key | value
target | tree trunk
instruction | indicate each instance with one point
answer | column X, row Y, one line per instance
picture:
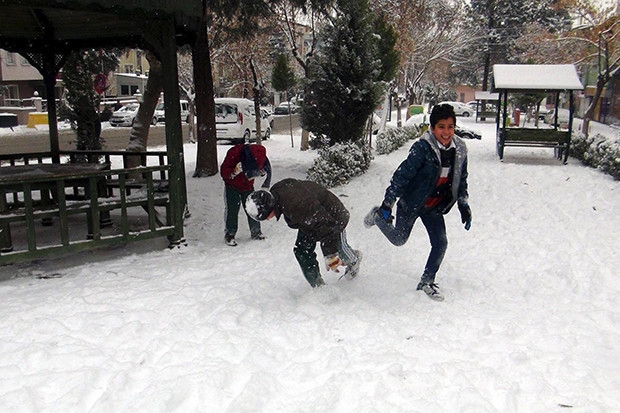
column 600, row 84
column 206, row 156
column 305, row 138
column 256, row 93
column 139, row 136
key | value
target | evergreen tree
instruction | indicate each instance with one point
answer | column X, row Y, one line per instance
column 343, row 77
column 282, row 78
column 82, row 101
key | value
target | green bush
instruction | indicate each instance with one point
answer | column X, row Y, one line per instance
column 392, row 139
column 337, row 164
column 597, row 151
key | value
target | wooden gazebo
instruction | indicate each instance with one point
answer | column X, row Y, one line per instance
column 549, row 79
column 45, row 32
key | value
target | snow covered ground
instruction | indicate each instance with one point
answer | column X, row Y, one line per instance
column 531, row 320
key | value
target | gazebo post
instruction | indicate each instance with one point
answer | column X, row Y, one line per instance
column 174, row 132
column 49, row 78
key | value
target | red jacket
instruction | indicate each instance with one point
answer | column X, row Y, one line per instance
column 240, row 182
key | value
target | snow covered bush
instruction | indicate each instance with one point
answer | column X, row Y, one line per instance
column 597, row 151
column 392, row 139
column 337, row 164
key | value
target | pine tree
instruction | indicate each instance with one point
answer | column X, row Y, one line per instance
column 282, row 78
column 343, row 77
column 82, row 101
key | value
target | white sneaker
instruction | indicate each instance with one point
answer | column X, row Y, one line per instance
column 353, row 269
column 369, row 219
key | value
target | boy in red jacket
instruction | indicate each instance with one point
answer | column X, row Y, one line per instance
column 243, row 163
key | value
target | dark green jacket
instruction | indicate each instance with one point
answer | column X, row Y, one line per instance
column 311, row 209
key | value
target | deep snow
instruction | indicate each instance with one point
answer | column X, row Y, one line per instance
column 531, row 320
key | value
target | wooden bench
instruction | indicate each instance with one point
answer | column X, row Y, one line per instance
column 539, row 138
column 25, row 205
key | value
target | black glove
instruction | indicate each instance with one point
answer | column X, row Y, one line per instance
column 465, row 215
column 386, row 212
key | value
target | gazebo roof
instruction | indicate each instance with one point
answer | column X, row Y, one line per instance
column 536, row 77
column 74, row 24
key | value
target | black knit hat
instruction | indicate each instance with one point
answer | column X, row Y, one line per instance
column 260, row 204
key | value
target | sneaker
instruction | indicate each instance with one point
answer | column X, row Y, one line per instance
column 230, row 240
column 258, row 236
column 431, row 289
column 353, row 269
column 369, row 219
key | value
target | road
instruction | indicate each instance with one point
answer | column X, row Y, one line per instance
column 114, row 138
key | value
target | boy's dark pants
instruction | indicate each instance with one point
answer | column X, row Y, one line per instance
column 234, row 199
column 306, row 257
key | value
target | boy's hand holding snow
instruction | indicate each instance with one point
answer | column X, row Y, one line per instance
column 332, row 262
column 238, row 170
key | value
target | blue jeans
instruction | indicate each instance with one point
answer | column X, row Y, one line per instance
column 398, row 234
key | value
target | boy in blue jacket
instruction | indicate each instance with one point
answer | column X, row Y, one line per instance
column 427, row 184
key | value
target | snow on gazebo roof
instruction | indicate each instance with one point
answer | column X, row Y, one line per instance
column 484, row 95
column 536, row 77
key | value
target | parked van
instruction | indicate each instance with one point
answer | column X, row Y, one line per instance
column 160, row 113
column 235, row 119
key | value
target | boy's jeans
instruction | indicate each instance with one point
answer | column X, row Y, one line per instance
column 435, row 225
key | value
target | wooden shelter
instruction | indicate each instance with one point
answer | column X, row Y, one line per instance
column 45, row 32
column 535, row 79
column 484, row 102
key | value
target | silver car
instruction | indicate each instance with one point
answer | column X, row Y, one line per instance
column 460, row 109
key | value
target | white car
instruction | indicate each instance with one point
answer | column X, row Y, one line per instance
column 160, row 113
column 125, row 116
column 563, row 116
column 235, row 119
column 460, row 109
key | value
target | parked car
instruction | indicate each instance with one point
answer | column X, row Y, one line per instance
column 466, row 133
column 267, row 114
column 284, row 108
column 160, row 113
column 460, row 109
column 472, row 104
column 563, row 116
column 235, row 119
column 125, row 116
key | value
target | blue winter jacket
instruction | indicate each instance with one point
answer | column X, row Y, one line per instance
column 416, row 177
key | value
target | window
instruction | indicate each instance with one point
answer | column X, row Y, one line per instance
column 125, row 90
column 10, row 58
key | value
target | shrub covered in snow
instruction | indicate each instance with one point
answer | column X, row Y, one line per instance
column 597, row 151
column 336, row 165
column 392, row 139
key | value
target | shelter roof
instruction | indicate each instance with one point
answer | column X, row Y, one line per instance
column 483, row 95
column 71, row 24
column 536, row 77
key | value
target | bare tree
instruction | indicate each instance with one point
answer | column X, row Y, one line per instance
column 139, row 135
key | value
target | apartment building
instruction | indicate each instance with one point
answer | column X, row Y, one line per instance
column 19, row 80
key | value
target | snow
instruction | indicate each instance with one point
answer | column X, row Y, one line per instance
column 544, row 77
column 530, row 323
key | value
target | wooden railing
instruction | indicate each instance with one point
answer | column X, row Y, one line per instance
column 49, row 214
